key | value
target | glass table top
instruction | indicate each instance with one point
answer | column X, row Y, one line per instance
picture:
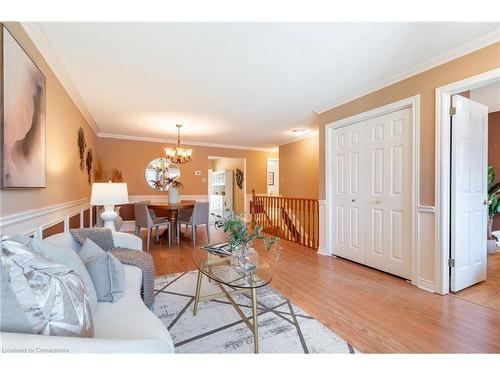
column 219, row 269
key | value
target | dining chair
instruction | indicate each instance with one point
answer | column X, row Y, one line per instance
column 198, row 216
column 184, row 214
column 144, row 219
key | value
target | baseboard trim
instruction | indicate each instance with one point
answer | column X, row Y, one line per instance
column 322, row 251
column 426, row 285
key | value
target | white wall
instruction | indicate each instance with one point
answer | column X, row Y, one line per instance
column 273, row 166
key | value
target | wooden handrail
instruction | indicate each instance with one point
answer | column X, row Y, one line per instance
column 290, row 218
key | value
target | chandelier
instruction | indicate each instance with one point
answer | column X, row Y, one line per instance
column 178, row 155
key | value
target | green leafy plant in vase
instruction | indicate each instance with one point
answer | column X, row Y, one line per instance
column 493, row 206
column 240, row 239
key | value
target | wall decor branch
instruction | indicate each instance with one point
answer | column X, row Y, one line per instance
column 88, row 162
column 82, row 144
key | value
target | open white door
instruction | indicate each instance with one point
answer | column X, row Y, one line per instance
column 469, row 127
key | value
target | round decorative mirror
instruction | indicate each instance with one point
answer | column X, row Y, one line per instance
column 160, row 173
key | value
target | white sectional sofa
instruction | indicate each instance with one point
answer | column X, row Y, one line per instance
column 126, row 326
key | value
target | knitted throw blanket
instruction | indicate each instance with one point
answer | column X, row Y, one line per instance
column 144, row 261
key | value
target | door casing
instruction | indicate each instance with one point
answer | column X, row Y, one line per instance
column 443, row 168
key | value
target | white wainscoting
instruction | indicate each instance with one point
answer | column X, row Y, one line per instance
column 426, row 247
column 34, row 221
column 164, row 198
column 322, row 228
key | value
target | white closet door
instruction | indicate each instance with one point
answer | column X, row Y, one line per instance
column 468, row 192
column 388, row 179
column 348, row 172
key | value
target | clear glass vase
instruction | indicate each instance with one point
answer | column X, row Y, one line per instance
column 245, row 257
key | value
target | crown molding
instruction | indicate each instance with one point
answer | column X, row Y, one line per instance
column 310, row 134
column 174, row 141
column 463, row 50
column 43, row 45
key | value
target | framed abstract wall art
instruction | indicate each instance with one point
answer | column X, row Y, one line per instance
column 22, row 117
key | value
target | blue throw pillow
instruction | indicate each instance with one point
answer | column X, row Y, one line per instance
column 69, row 258
column 107, row 272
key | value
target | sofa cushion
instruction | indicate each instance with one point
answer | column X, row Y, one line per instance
column 106, row 272
column 129, row 318
column 51, row 296
column 103, row 237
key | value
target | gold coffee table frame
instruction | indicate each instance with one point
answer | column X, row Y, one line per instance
column 206, row 267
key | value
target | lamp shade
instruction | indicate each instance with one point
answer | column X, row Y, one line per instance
column 108, row 194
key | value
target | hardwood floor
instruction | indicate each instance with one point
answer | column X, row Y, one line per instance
column 486, row 293
column 374, row 311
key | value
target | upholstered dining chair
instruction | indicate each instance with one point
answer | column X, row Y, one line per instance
column 197, row 216
column 144, row 219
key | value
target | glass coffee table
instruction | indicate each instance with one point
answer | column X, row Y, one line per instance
column 231, row 280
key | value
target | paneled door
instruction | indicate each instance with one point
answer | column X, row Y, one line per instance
column 388, row 196
column 468, row 193
column 349, row 192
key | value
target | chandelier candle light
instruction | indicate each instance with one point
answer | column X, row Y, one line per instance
column 178, row 155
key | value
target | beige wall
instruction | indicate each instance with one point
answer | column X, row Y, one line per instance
column 65, row 181
column 131, row 157
column 494, row 152
column 494, row 142
column 299, row 168
column 231, row 164
column 424, row 84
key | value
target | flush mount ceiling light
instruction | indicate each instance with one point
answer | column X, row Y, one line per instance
column 178, row 155
column 299, row 132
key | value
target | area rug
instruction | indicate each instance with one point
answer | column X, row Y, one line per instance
column 217, row 328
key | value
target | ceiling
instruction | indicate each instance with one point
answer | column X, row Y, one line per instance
column 488, row 95
column 244, row 84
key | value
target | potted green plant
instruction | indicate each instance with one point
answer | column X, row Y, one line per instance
column 493, row 207
column 240, row 239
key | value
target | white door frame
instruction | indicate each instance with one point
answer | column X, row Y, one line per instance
column 443, row 168
column 412, row 102
column 245, row 202
column 267, row 172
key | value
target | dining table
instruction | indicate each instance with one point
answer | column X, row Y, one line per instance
column 171, row 211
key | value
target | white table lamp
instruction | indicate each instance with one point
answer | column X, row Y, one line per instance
column 108, row 194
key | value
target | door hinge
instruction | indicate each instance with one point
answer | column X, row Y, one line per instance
column 453, row 111
column 451, row 262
